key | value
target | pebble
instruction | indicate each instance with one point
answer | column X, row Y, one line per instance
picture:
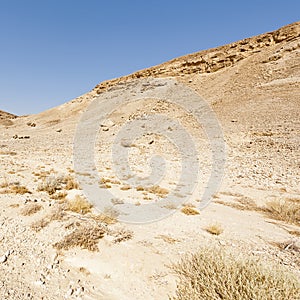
column 3, row 259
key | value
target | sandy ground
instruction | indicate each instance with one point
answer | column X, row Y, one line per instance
column 257, row 103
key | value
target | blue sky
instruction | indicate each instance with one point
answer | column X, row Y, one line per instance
column 53, row 51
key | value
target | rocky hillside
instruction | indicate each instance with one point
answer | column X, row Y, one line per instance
column 213, row 60
column 6, row 118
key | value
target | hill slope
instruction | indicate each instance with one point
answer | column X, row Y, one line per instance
column 253, row 87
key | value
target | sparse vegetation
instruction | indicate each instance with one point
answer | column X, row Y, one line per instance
column 19, row 189
column 70, row 183
column 59, row 195
column 168, row 239
column 79, row 205
column 53, row 184
column 109, row 220
column 57, row 214
column 157, row 190
column 50, row 185
column 215, row 229
column 40, row 224
column 13, row 188
column 125, row 188
column 285, row 210
column 188, row 210
column 85, row 237
column 30, row 209
column 212, row 273
column 122, row 235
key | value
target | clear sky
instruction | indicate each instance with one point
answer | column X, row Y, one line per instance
column 55, row 50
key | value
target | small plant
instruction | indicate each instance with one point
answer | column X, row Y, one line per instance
column 188, row 210
column 59, row 196
column 157, row 190
column 212, row 273
column 57, row 214
column 39, row 224
column 215, row 229
column 122, row 235
column 70, row 183
column 105, row 219
column 19, row 189
column 31, row 209
column 53, row 184
column 85, row 237
column 50, row 185
column 286, row 210
column 79, row 205
column 125, row 188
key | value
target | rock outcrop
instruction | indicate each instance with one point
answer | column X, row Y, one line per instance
column 213, row 60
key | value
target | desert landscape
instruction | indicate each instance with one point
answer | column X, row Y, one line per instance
column 245, row 244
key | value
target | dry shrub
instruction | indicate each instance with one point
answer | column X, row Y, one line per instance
column 57, row 214
column 39, row 224
column 188, row 210
column 15, row 188
column 286, row 210
column 117, row 201
column 140, row 188
column 111, row 212
column 215, row 229
column 168, row 239
column 70, row 183
column 59, row 196
column 79, row 205
column 86, row 237
column 52, row 184
column 105, row 219
column 157, row 190
column 241, row 203
column 121, row 235
column 125, row 188
column 31, row 209
column 10, row 153
column 214, row 274
column 294, row 232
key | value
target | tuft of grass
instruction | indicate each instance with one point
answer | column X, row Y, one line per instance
column 122, row 235
column 19, row 189
column 53, row 184
column 140, row 188
column 31, row 209
column 215, row 229
column 188, row 210
column 286, row 210
column 109, row 220
column 70, row 183
column 212, row 273
column 157, row 190
column 125, row 188
column 79, row 205
column 50, row 185
column 39, row 224
column 57, row 214
column 85, row 237
column 59, row 196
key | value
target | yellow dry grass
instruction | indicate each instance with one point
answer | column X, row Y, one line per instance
column 212, row 273
column 79, row 205
column 31, row 209
column 215, row 229
column 190, row 211
column 85, row 237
